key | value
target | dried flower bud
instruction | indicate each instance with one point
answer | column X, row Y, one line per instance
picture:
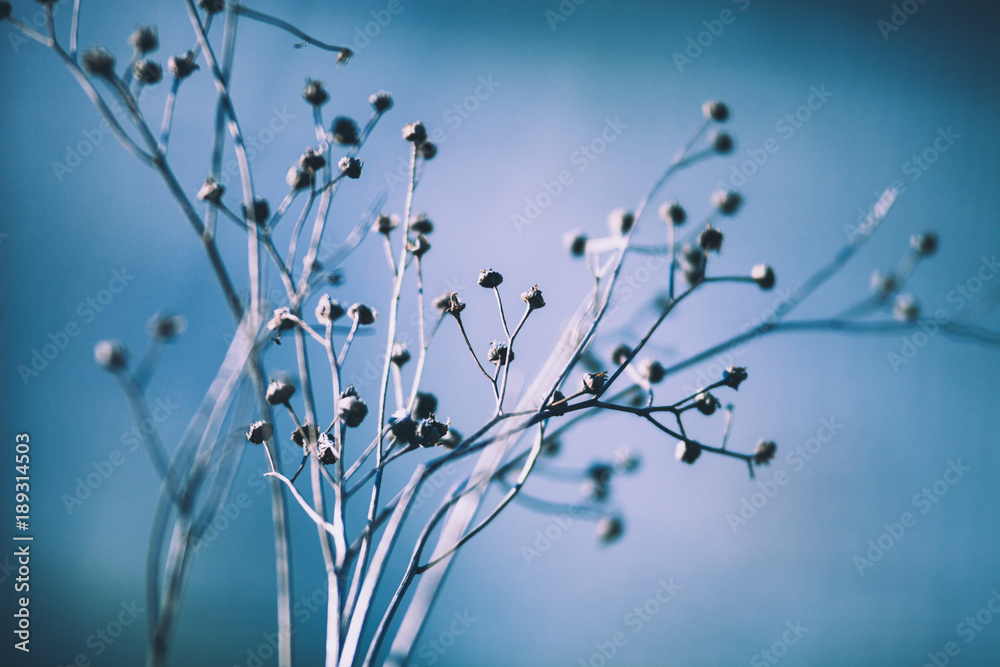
column 722, row 143
column 489, row 278
column 425, row 405
column 652, row 370
column 672, row 212
column 345, row 131
column 620, row 354
column 763, row 275
column 558, row 403
column 212, row 6
column 733, row 376
column 303, row 436
column 344, row 55
column 610, row 528
column 299, row 178
column 710, row 239
column 403, row 428
column 278, row 392
column 706, row 403
column 727, row 201
column 688, row 452
column 380, row 101
column 99, row 62
column 576, row 242
column 906, row 308
column 626, row 460
column 147, row 72
column 281, row 320
column 362, row 314
column 418, row 246
column 182, row 66
column 326, row 450
column 111, row 354
column 260, row 213
column 327, row 310
column 314, row 93
column 593, row 383
column 715, row 110
column 621, row 221
column 430, row 431
column 428, row 150
column 384, row 224
column 925, row 244
column 499, row 354
column 353, row 410
column 764, row 452
column 421, row 224
column 450, row 304
column 259, row 432
column 211, row 191
column 312, row 160
column 350, row 166
column 693, row 263
column 415, row 133
column 165, row 327
column 533, row 297
column 144, row 39
column 400, row 355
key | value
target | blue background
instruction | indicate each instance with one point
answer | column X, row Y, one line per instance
column 558, row 83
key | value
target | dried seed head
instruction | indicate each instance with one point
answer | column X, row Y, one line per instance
column 400, row 355
column 165, row 326
column 884, row 283
column 380, row 101
column 688, row 452
column 626, row 460
column 722, row 143
column 350, row 166
column 428, row 150
column 99, row 62
column 312, row 160
column 384, row 224
column 533, row 297
column 450, row 304
column 906, row 308
column 489, row 278
column 281, row 320
column 278, row 392
column 925, row 244
column 362, row 314
column 182, row 66
column 415, row 133
column 620, row 354
column 673, row 213
column 652, row 370
column 326, row 450
column 733, row 376
column 594, row 491
column 727, row 201
column 403, row 428
column 430, row 431
column 421, row 224
column 621, row 221
column 764, row 452
column 710, row 239
column 212, row 6
column 418, row 246
column 610, row 528
column 111, row 354
column 353, row 410
column 260, row 213
column 593, row 383
column 328, row 311
column 576, row 242
column 558, row 403
column 144, row 39
column 298, row 177
column 344, row 55
column 147, row 72
column 425, row 405
column 259, row 432
column 211, row 191
column 715, row 110
column 763, row 275
column 499, row 354
column 693, row 263
column 600, row 472
column 302, row 436
column 314, row 93
column 345, row 131
column 706, row 403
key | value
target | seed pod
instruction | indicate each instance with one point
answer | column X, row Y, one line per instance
column 350, row 166
column 621, row 221
column 111, row 354
column 673, row 213
column 715, row 110
column 212, row 6
column 353, row 410
column 593, row 383
column 499, row 354
column 345, row 131
column 450, row 304
column 621, row 354
column 576, row 242
column 261, row 211
column 428, row 150
column 419, row 246
column 182, row 66
column 386, row 223
column 421, row 224
column 533, row 297
column 362, row 314
column 600, row 472
column 906, row 308
column 722, row 143
column 558, row 398
column 425, row 405
column 652, row 370
column 99, row 62
column 710, row 239
column 299, row 178
column 144, row 39
column 727, row 201
column 165, row 327
column 415, row 133
column 925, row 244
column 594, row 490
column 763, row 275
column 302, row 436
column 430, row 431
column 147, row 72
column 312, row 160
column 314, row 93
column 687, row 452
column 706, row 403
column 403, row 428
column 278, row 392
column 281, row 320
column 733, row 376
column 328, row 310
column 259, row 432
column 380, row 101
column 325, row 450
column 211, row 191
column 610, row 528
column 400, row 355
column 489, row 278
column 764, row 452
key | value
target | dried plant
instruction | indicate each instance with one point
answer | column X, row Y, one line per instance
column 348, row 446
